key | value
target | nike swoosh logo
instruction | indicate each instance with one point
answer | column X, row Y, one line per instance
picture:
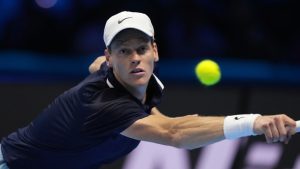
column 120, row 21
column 237, row 118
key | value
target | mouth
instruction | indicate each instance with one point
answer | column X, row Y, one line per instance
column 137, row 71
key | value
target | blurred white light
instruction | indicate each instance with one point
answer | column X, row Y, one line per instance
column 151, row 156
column 46, row 3
column 263, row 155
column 219, row 155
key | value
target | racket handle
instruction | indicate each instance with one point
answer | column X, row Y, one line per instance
column 297, row 126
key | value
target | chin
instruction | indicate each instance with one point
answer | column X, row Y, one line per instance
column 140, row 82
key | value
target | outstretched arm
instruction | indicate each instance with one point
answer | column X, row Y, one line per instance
column 183, row 132
column 195, row 131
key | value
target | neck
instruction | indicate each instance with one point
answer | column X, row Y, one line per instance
column 138, row 92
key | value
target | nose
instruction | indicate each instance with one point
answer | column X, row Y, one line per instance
column 136, row 58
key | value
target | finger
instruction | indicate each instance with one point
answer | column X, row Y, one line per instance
column 268, row 133
column 290, row 126
column 289, row 136
column 281, row 129
column 290, row 132
column 289, row 122
column 275, row 132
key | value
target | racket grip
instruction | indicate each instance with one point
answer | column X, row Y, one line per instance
column 297, row 126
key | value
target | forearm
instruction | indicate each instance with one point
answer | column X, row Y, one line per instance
column 193, row 131
column 196, row 131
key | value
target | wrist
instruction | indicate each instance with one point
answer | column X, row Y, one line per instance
column 237, row 126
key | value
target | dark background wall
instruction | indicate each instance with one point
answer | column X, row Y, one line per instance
column 264, row 30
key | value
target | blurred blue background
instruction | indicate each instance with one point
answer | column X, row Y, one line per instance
column 255, row 42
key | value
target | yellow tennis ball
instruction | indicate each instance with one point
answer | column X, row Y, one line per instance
column 208, row 72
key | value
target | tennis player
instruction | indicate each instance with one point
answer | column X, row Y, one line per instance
column 106, row 115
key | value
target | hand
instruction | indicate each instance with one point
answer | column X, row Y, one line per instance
column 275, row 128
column 96, row 64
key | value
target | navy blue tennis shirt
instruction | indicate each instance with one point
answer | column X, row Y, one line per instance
column 81, row 128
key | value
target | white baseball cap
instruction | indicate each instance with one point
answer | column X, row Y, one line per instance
column 125, row 20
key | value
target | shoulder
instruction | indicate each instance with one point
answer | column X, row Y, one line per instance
column 98, row 96
column 111, row 114
column 92, row 85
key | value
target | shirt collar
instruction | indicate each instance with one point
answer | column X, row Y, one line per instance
column 154, row 90
column 158, row 82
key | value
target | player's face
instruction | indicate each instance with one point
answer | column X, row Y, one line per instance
column 132, row 59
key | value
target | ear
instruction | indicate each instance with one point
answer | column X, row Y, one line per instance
column 156, row 57
column 108, row 57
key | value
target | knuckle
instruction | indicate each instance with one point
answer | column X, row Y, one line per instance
column 283, row 117
column 265, row 125
column 277, row 118
column 271, row 122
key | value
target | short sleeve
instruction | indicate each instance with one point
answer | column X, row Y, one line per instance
column 113, row 117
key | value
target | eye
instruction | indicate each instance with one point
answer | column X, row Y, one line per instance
column 142, row 50
column 124, row 51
